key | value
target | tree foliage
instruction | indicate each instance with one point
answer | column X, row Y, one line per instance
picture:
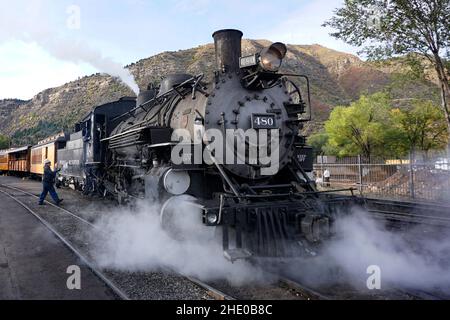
column 421, row 127
column 320, row 143
column 361, row 127
column 397, row 27
column 372, row 126
column 4, row 142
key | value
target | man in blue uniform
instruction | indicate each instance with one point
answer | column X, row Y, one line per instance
column 47, row 182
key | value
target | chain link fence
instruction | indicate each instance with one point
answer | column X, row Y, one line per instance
column 387, row 178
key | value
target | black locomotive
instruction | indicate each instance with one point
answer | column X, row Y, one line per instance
column 126, row 149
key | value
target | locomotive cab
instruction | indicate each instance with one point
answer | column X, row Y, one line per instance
column 83, row 158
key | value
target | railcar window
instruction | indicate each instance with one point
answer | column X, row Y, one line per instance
column 87, row 129
column 36, row 157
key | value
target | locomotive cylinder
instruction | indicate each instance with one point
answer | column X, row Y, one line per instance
column 228, row 49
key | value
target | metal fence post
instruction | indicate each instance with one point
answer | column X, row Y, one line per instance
column 321, row 169
column 411, row 176
column 360, row 173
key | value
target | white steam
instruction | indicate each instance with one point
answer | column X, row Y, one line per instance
column 135, row 241
column 79, row 52
column 415, row 258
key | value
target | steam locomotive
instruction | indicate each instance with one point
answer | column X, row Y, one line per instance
column 164, row 146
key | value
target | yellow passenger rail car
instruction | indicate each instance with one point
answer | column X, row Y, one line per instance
column 46, row 149
column 3, row 161
column 19, row 160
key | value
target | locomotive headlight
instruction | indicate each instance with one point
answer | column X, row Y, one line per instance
column 212, row 218
column 272, row 57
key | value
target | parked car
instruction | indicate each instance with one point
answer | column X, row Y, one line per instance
column 442, row 164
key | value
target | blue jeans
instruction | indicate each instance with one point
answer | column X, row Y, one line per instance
column 48, row 188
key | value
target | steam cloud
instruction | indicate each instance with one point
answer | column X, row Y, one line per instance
column 79, row 52
column 29, row 21
column 411, row 259
column 135, row 241
column 414, row 259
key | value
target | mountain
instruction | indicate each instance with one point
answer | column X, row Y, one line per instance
column 336, row 79
column 8, row 106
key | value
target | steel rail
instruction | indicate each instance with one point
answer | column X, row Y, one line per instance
column 302, row 289
column 410, row 216
column 122, row 295
column 421, row 294
column 409, row 204
column 54, row 205
column 211, row 291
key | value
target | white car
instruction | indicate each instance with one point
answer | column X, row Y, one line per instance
column 442, row 164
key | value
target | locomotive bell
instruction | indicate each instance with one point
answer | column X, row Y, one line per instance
column 145, row 96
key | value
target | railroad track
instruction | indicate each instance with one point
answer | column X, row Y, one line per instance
column 280, row 288
column 210, row 291
column 424, row 295
column 217, row 290
column 348, row 292
column 432, row 214
column 305, row 291
column 75, row 251
column 213, row 290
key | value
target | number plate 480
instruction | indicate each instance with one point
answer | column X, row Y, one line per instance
column 263, row 121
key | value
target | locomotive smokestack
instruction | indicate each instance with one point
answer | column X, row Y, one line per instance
column 228, row 49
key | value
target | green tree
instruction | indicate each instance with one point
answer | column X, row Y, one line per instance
column 360, row 128
column 423, row 127
column 320, row 143
column 4, row 142
column 398, row 27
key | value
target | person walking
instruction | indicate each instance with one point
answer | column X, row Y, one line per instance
column 48, row 182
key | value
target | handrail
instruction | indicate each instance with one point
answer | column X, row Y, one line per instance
column 308, row 87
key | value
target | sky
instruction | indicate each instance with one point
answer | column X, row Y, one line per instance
column 46, row 43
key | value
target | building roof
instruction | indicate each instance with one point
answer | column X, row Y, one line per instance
column 14, row 150
column 62, row 136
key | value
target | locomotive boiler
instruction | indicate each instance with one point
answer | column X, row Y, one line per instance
column 231, row 149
